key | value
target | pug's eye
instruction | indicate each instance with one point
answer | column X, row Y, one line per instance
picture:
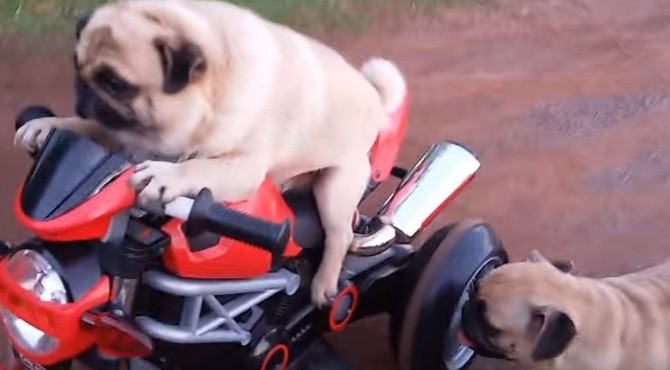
column 114, row 85
column 489, row 329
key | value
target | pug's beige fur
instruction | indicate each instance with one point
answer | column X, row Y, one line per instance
column 551, row 319
column 258, row 99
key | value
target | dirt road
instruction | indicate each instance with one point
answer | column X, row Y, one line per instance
column 566, row 103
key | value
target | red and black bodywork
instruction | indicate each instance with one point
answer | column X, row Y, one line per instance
column 132, row 276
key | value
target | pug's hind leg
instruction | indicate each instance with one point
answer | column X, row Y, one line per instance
column 337, row 193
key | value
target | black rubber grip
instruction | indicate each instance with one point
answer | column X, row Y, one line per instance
column 31, row 113
column 210, row 216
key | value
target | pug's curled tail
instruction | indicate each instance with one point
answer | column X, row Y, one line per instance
column 387, row 79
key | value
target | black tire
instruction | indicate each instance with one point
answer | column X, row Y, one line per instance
column 432, row 292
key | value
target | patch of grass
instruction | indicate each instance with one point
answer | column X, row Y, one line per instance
column 54, row 17
column 42, row 17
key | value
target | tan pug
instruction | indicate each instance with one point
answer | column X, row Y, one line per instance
column 543, row 317
column 239, row 98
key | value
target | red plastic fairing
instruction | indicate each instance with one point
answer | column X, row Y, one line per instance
column 387, row 146
column 90, row 220
column 119, row 338
column 230, row 259
column 62, row 322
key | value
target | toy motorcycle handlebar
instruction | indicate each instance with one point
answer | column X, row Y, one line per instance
column 202, row 213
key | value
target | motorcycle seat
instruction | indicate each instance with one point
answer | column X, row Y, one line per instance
column 307, row 229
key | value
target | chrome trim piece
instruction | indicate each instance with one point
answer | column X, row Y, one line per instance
column 375, row 242
column 436, row 177
column 124, row 290
column 109, row 178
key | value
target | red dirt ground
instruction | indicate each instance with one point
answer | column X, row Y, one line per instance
column 565, row 102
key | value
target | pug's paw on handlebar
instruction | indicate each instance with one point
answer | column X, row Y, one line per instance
column 35, row 123
column 160, row 182
column 32, row 134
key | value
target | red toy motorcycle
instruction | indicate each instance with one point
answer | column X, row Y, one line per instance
column 200, row 285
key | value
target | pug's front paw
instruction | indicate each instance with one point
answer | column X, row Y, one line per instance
column 32, row 134
column 324, row 288
column 160, row 182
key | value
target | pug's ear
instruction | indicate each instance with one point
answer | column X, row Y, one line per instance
column 555, row 332
column 82, row 22
column 565, row 266
column 182, row 62
column 99, row 38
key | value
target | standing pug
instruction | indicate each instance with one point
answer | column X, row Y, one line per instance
column 538, row 314
column 239, row 98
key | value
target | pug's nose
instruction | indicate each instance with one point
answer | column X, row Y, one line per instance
column 474, row 307
column 479, row 306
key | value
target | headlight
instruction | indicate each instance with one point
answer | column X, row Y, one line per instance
column 34, row 273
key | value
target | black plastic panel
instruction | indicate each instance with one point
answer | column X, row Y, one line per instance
column 76, row 263
column 307, row 231
column 66, row 172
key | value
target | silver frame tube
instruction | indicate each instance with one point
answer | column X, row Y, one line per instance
column 219, row 326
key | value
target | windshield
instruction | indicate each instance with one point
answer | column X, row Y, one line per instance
column 68, row 170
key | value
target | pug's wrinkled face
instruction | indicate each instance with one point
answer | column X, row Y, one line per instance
column 516, row 313
column 138, row 71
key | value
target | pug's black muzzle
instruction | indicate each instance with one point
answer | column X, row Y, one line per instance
column 90, row 105
column 478, row 331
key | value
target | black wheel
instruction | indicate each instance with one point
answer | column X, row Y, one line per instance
column 425, row 324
